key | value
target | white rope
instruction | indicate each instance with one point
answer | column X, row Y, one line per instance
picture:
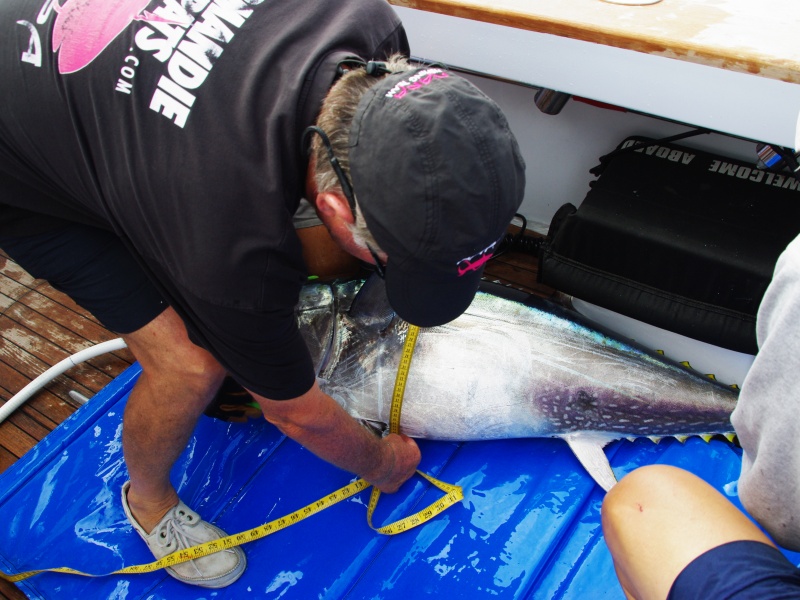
column 42, row 380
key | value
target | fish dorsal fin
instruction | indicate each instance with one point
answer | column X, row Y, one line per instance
column 370, row 307
column 588, row 448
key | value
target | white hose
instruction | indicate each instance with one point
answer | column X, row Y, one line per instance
column 42, row 380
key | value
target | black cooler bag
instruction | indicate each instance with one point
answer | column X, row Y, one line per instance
column 675, row 237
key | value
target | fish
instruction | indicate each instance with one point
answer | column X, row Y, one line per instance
column 83, row 29
column 512, row 366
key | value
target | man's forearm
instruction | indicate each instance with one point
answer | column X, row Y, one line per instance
column 317, row 422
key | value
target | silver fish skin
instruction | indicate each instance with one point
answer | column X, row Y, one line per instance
column 511, row 366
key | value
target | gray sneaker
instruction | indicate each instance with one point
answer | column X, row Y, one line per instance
column 183, row 528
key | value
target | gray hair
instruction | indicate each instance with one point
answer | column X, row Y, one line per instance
column 335, row 119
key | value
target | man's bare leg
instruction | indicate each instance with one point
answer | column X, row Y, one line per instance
column 658, row 519
column 178, row 381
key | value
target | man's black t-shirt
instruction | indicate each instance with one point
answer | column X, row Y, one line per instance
column 179, row 129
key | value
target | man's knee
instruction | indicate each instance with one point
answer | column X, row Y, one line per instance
column 635, row 490
column 165, row 352
column 642, row 478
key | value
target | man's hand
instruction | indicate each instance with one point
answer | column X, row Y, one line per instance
column 400, row 463
column 317, row 422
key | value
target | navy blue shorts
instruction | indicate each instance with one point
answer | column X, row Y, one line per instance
column 94, row 268
column 740, row 570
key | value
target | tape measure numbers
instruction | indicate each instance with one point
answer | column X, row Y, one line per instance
column 402, row 377
column 208, row 548
column 453, row 494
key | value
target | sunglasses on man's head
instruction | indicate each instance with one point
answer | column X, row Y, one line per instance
column 344, row 182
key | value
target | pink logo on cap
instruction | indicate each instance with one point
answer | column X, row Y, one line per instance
column 476, row 261
column 84, row 28
column 415, row 82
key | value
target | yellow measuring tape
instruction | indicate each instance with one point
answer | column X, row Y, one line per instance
column 453, row 494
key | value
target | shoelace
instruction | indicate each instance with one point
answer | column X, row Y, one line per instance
column 172, row 532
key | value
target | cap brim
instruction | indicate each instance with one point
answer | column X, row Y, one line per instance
column 428, row 303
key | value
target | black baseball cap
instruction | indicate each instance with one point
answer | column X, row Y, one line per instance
column 438, row 176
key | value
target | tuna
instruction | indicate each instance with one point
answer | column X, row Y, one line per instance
column 512, row 366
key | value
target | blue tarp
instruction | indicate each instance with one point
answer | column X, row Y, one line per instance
column 528, row 527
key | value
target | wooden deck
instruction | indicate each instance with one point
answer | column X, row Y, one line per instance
column 39, row 327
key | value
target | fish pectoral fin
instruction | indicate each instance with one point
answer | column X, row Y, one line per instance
column 378, row 428
column 588, row 449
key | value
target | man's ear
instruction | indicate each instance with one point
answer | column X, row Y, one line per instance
column 332, row 204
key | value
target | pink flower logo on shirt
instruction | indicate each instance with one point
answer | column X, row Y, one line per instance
column 84, row 28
